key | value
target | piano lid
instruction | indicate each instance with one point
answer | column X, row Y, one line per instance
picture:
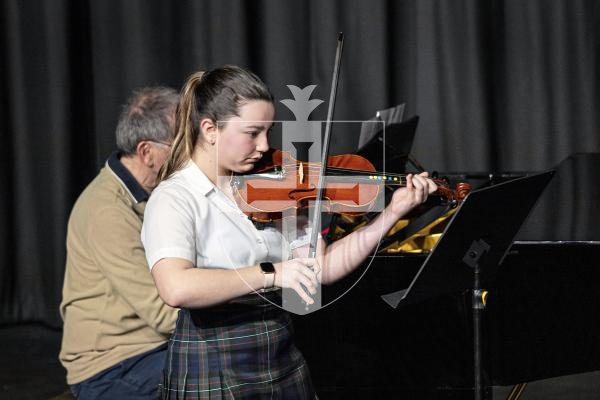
column 569, row 208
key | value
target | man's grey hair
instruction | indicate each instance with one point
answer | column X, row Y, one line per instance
column 149, row 114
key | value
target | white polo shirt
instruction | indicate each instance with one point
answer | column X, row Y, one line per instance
column 188, row 217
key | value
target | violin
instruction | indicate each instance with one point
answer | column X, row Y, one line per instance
column 279, row 184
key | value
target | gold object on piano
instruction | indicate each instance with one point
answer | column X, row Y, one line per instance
column 421, row 242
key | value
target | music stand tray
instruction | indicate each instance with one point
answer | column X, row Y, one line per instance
column 472, row 247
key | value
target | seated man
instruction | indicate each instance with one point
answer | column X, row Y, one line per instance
column 115, row 324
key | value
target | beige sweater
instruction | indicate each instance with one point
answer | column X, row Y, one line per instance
column 110, row 306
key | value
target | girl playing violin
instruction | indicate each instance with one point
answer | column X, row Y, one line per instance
column 209, row 260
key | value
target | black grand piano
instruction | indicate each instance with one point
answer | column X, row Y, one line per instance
column 540, row 320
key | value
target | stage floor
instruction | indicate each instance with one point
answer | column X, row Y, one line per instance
column 30, row 370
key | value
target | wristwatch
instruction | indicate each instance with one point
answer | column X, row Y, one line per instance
column 268, row 270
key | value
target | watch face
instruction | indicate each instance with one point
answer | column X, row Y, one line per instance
column 267, row 268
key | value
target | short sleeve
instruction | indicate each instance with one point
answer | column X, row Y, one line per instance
column 168, row 229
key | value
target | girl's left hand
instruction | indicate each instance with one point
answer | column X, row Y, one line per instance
column 418, row 188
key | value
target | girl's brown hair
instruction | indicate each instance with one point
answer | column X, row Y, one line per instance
column 217, row 94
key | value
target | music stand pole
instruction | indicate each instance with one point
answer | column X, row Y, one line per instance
column 476, row 251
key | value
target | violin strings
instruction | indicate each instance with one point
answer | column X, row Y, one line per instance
column 347, row 170
column 370, row 176
column 356, row 172
column 380, row 177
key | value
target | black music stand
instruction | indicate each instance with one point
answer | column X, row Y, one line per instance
column 399, row 137
column 472, row 247
column 371, row 127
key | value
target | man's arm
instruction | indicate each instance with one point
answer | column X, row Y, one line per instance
column 118, row 251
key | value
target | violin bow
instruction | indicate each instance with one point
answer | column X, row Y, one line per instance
column 316, row 222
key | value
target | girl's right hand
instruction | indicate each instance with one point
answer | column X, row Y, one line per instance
column 299, row 274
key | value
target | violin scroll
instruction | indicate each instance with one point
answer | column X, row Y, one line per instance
column 462, row 190
column 455, row 196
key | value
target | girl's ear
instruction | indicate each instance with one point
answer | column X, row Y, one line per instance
column 208, row 130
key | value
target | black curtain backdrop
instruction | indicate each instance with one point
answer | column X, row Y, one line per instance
column 499, row 86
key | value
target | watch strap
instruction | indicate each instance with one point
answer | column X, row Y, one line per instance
column 268, row 270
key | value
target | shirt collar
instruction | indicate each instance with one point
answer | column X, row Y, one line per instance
column 201, row 181
column 136, row 191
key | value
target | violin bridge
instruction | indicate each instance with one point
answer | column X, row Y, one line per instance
column 301, row 172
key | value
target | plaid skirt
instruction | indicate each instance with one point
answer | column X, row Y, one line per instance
column 240, row 350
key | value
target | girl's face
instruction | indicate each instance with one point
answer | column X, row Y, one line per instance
column 243, row 140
